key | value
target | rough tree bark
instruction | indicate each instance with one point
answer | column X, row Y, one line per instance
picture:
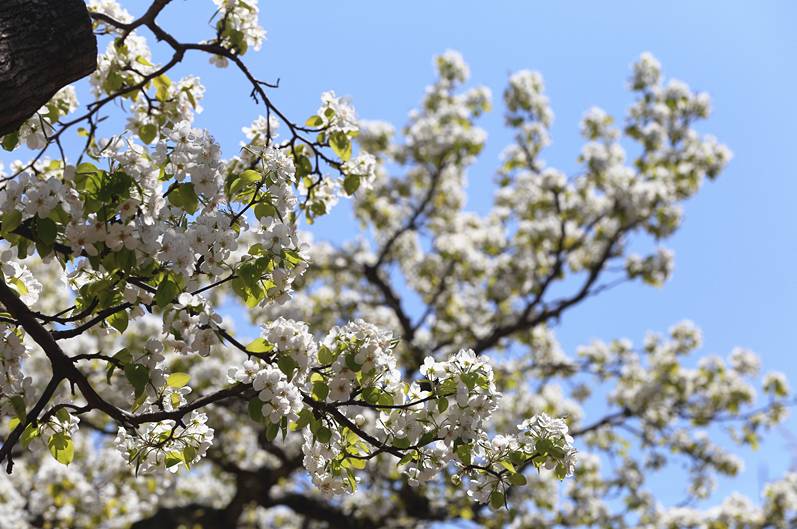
column 44, row 45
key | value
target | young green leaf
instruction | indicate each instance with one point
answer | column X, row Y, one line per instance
column 61, row 447
column 178, row 380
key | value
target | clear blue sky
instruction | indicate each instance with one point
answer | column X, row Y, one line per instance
column 736, row 251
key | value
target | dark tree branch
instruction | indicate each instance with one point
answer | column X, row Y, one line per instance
column 62, row 366
column 44, row 46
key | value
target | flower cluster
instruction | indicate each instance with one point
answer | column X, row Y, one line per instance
column 192, row 324
column 437, row 422
column 357, row 354
column 291, row 340
column 543, row 442
column 335, row 115
column 166, row 444
column 237, row 28
column 35, row 132
column 14, row 385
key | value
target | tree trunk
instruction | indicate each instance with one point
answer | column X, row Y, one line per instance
column 44, row 45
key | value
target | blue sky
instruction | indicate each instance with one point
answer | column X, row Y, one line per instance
column 737, row 248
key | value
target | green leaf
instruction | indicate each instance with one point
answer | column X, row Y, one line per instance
column 61, row 447
column 19, row 406
column 463, row 453
column 118, row 320
column 113, row 82
column 427, row 438
column 517, row 457
column 496, row 500
column 259, row 345
column 265, row 210
column 238, row 40
column 340, row 145
column 357, row 463
column 449, row 386
column 184, row 196
column 174, row 458
column 178, row 380
column 517, row 479
column 442, row 404
column 190, row 97
column 305, row 416
column 43, row 249
column 303, row 167
column 240, row 182
column 166, row 293
column 189, row 454
column 371, row 395
column 143, row 60
column 323, row 434
column 46, row 230
column 287, row 365
column 469, row 379
column 110, row 188
column 543, row 445
column 63, row 415
column 162, row 84
column 12, row 218
column 22, row 249
column 314, row 121
column 255, row 408
column 320, row 391
column 271, row 431
column 58, row 215
column 240, row 288
column 406, row 459
column 28, row 435
column 148, row 133
column 325, row 356
column 249, row 273
column 351, row 363
column 10, row 141
column 351, row 184
column 508, row 465
column 401, row 442
column 139, row 401
column 123, row 356
column 138, row 376
column 19, row 285
column 386, row 399
column 292, row 256
column 83, row 172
